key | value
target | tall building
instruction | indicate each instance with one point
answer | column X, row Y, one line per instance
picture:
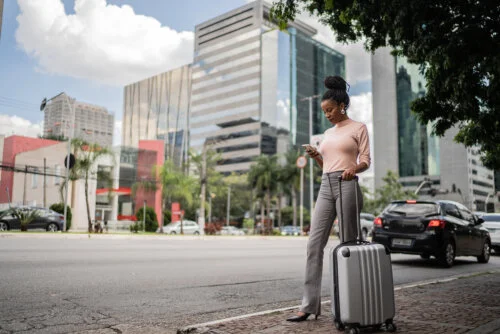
column 403, row 145
column 157, row 108
column 249, row 83
column 92, row 123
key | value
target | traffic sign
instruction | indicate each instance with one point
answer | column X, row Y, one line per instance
column 301, row 161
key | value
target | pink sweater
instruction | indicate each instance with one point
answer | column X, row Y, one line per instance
column 343, row 145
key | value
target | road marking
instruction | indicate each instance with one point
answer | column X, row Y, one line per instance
column 190, row 328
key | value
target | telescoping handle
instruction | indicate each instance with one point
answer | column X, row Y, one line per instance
column 341, row 220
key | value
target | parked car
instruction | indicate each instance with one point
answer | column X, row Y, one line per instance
column 47, row 220
column 290, row 230
column 492, row 224
column 366, row 222
column 188, row 227
column 231, row 230
column 443, row 229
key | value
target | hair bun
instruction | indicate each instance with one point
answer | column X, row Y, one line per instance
column 335, row 82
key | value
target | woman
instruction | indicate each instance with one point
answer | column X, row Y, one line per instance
column 345, row 152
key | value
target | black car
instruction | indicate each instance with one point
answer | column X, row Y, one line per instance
column 46, row 219
column 443, row 229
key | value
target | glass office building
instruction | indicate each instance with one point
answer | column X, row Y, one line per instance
column 418, row 149
column 248, row 83
column 157, row 108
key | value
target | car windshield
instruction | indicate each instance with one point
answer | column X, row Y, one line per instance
column 412, row 209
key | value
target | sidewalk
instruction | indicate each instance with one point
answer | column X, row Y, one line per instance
column 469, row 304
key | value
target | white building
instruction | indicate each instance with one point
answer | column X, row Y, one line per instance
column 92, row 123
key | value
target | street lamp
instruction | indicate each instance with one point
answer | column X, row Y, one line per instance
column 68, row 158
column 311, row 176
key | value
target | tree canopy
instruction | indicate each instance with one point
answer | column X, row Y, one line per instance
column 455, row 42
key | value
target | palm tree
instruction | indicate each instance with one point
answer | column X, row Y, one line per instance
column 86, row 158
column 289, row 178
column 175, row 185
column 263, row 177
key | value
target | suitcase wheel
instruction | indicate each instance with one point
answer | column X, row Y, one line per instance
column 338, row 325
column 390, row 326
column 353, row 330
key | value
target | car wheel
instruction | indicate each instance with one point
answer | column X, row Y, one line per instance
column 425, row 256
column 52, row 227
column 173, row 232
column 485, row 256
column 196, row 233
column 447, row 256
column 4, row 226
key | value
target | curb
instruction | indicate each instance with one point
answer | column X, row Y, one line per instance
column 191, row 328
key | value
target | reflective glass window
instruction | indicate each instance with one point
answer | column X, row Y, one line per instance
column 214, row 47
column 228, row 99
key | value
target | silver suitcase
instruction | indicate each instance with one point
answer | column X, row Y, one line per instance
column 362, row 285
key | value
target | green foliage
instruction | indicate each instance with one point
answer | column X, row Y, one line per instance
column 392, row 190
column 86, row 157
column 25, row 216
column 136, row 227
column 151, row 219
column 287, row 215
column 59, row 208
column 167, row 217
column 248, row 223
column 456, row 44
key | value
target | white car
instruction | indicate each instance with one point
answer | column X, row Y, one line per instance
column 492, row 223
column 366, row 222
column 231, row 230
column 188, row 227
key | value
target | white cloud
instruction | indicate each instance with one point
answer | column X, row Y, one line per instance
column 117, row 135
column 14, row 125
column 101, row 42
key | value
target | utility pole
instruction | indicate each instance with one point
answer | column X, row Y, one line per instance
column 144, row 217
column 228, row 204
column 311, row 175
column 301, row 164
column 45, row 182
column 201, row 218
column 24, row 191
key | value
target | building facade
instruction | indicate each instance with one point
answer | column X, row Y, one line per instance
column 92, row 123
column 249, row 82
column 403, row 145
column 157, row 108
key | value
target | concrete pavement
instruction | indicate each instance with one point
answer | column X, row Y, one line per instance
column 461, row 305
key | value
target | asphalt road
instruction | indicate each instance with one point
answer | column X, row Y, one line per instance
column 59, row 283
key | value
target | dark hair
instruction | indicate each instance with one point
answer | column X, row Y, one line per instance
column 337, row 90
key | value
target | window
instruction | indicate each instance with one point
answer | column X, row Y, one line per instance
column 466, row 215
column 57, row 178
column 34, row 178
column 451, row 210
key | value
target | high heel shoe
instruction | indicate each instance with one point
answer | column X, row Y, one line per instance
column 300, row 318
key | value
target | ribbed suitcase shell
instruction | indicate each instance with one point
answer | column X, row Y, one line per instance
column 365, row 290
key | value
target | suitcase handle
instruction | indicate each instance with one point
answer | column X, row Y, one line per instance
column 341, row 220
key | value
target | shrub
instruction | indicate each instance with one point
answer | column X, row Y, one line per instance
column 151, row 219
column 248, row 223
column 59, row 208
column 136, row 227
column 167, row 217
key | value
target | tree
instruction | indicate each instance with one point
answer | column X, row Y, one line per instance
column 25, row 216
column 86, row 158
column 59, row 208
column 289, row 177
column 392, row 190
column 456, row 43
column 263, row 177
column 151, row 219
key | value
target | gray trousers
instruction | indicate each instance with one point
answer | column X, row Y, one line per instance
column 327, row 208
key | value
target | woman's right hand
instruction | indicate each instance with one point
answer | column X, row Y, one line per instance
column 312, row 151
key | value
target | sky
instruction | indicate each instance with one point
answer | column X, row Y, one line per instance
column 91, row 49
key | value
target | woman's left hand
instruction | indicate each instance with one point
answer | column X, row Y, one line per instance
column 348, row 174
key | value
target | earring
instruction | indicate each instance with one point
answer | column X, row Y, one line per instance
column 342, row 111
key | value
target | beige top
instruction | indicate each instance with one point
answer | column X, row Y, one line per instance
column 343, row 145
